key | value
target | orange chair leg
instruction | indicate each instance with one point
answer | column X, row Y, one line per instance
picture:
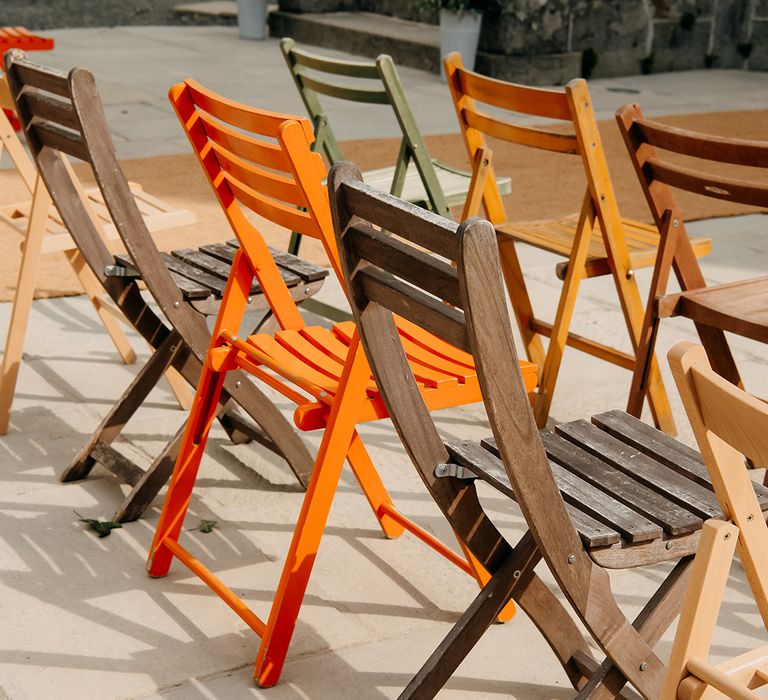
column 185, row 470
column 372, row 486
column 334, row 449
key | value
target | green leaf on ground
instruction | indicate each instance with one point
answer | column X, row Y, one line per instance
column 207, row 526
column 103, row 528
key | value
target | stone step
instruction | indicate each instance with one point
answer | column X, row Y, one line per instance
column 212, row 11
column 413, row 44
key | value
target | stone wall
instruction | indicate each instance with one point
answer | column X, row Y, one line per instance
column 599, row 37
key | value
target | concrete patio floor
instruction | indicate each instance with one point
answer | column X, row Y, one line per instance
column 80, row 618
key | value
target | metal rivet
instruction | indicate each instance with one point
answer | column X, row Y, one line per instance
column 643, row 666
column 323, row 394
column 250, row 300
column 669, row 545
column 441, row 470
column 516, row 574
column 602, row 196
column 727, row 535
column 234, row 338
column 306, row 290
column 238, row 384
column 630, row 274
column 675, row 223
column 173, row 348
column 176, row 304
column 750, row 518
column 572, row 559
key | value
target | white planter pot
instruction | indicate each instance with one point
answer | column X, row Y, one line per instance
column 252, row 18
column 459, row 31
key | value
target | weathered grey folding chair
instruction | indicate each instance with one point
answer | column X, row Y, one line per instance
column 729, row 424
column 62, row 115
column 612, row 494
column 415, row 176
column 44, row 232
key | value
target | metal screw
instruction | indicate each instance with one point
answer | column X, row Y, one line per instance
column 306, row 291
column 750, row 518
column 594, row 145
column 234, row 338
column 173, row 348
column 323, row 394
column 727, row 535
column 643, row 666
column 675, row 223
column 516, row 574
column 669, row 545
column 602, row 196
column 176, row 304
column 238, row 384
column 572, row 559
column 250, row 299
column 441, row 470
column 630, row 274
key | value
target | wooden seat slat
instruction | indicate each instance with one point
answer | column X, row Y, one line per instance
column 191, row 289
column 673, row 486
column 489, row 468
column 194, row 274
column 298, row 266
column 673, row 518
column 226, row 254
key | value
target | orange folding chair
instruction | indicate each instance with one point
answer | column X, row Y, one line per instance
column 324, row 371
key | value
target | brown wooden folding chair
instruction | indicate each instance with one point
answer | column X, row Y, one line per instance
column 62, row 116
column 729, row 425
column 737, row 307
column 612, row 494
column 596, row 241
column 43, row 231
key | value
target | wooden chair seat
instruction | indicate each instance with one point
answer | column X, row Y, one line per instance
column 157, row 214
column 313, row 358
column 201, row 274
column 634, row 495
column 738, row 307
column 454, row 183
column 558, row 235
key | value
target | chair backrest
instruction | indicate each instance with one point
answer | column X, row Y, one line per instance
column 408, row 271
column 572, row 104
column 62, row 116
column 729, row 424
column 369, row 83
column 259, row 162
column 648, row 142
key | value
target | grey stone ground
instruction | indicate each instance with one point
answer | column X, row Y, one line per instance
column 80, row 619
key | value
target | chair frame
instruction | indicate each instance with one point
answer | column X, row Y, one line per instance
column 644, row 138
column 62, row 116
column 413, row 148
column 476, row 319
column 728, row 424
column 599, row 211
column 334, row 398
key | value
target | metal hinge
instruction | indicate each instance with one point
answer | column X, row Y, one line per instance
column 454, row 470
column 120, row 271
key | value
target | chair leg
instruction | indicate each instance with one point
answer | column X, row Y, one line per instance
column 521, row 301
column 334, row 449
column 22, row 300
column 138, row 390
column 372, row 486
column 95, row 294
column 515, row 573
column 185, row 471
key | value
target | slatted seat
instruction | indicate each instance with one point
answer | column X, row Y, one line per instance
column 634, row 495
column 201, row 274
column 557, row 236
column 22, row 38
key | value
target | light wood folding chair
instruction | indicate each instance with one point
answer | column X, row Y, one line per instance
column 737, row 307
column 62, row 116
column 415, row 176
column 43, row 231
column 596, row 241
column 613, row 494
column 323, row 371
column 729, row 425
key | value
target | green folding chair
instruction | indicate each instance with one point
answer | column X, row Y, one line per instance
column 415, row 176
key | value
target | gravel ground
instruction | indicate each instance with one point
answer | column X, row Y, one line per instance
column 55, row 14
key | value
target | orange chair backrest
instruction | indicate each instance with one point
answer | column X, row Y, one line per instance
column 571, row 104
column 260, row 162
